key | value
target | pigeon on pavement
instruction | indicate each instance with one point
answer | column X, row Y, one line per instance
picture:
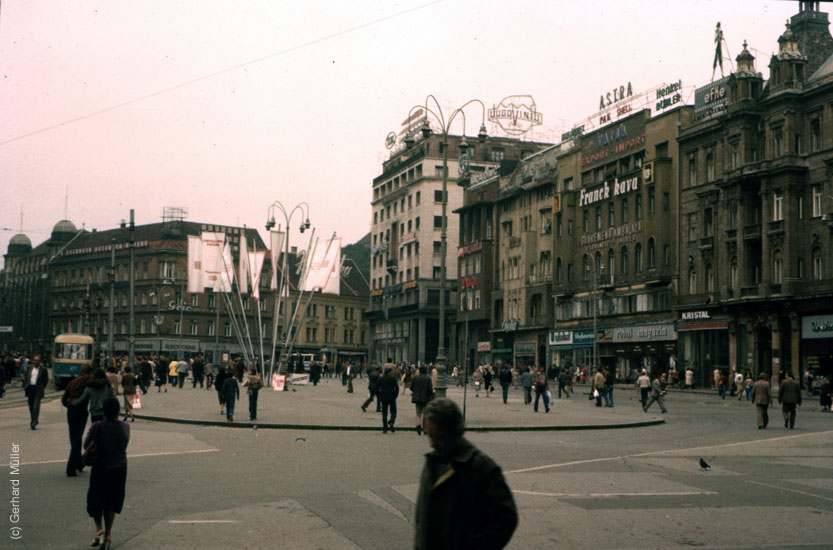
column 704, row 465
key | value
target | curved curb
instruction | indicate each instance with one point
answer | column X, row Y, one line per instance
column 268, row 426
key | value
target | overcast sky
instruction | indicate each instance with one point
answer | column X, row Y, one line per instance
column 224, row 107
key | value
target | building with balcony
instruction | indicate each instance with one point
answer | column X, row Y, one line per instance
column 756, row 214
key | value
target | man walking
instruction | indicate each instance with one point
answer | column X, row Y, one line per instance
column 562, row 383
column 505, row 378
column 388, row 392
column 762, row 397
column 527, row 379
column 198, row 371
column 253, row 385
column 231, row 392
column 657, row 393
column 541, row 389
column 789, row 396
column 34, row 382
column 463, row 499
column 643, row 386
column 598, row 387
column 421, row 393
column 373, row 388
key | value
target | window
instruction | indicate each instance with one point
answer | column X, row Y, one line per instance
column 710, row 167
column 611, row 214
column 666, row 201
column 194, row 328
column 652, row 253
column 496, row 154
column 692, row 227
column 167, row 270
column 438, row 222
column 733, row 215
column 417, row 199
column 436, row 273
column 624, row 210
column 733, row 272
column 177, row 326
column 637, row 257
column 569, row 273
column 800, row 268
column 142, row 326
column 585, row 220
column 624, row 263
column 585, row 268
column 692, row 171
column 800, row 208
column 638, row 206
column 692, row 281
column 777, row 207
column 708, row 222
column 818, row 273
column 815, row 134
column 666, row 254
column 709, row 278
column 777, row 142
column 816, row 201
column 558, row 228
column 569, row 227
column 558, row 269
column 611, row 261
column 438, row 195
column 598, row 218
column 211, row 328
column 777, row 268
column 735, row 155
column 438, row 173
column 651, row 199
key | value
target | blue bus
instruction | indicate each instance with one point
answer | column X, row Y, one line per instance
column 70, row 353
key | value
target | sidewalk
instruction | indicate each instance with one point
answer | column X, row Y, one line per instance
column 328, row 406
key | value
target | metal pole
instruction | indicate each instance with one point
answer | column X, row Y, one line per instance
column 131, row 337
column 441, row 358
column 112, row 277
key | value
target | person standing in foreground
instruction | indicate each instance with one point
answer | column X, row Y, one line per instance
column 762, row 397
column 789, row 395
column 542, row 388
column 76, row 419
column 463, row 501
column 657, row 392
column 373, row 388
column 34, row 382
column 388, row 392
column 421, row 393
column 643, row 385
column 108, row 478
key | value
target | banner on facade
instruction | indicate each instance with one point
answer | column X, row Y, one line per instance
column 243, row 267
column 324, row 268
column 256, row 260
column 195, row 265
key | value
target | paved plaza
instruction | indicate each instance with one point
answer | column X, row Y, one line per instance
column 318, row 473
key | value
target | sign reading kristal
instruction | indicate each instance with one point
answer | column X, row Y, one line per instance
column 516, row 114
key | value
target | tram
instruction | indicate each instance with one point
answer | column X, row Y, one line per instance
column 69, row 354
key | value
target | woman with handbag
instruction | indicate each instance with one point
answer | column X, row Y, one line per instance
column 105, row 449
column 128, row 385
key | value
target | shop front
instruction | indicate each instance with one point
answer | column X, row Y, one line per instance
column 817, row 344
column 571, row 348
column 704, row 345
column 630, row 349
column 525, row 355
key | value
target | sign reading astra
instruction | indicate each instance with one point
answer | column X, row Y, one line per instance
column 603, row 192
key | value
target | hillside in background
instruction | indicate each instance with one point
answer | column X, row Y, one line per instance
column 359, row 252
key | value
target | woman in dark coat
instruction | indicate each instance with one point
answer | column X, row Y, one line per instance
column 222, row 374
column 105, row 497
column 487, row 380
column 421, row 393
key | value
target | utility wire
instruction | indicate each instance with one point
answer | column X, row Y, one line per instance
column 217, row 73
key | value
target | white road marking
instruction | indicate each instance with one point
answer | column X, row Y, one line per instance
column 599, row 495
column 128, row 456
column 653, row 453
column 790, row 490
column 381, row 503
column 202, row 521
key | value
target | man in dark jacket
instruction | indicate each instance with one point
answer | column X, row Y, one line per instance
column 373, row 388
column 463, row 501
column 34, row 382
column 198, row 370
column 789, row 395
column 505, row 378
column 388, row 392
column 76, row 419
column 422, row 390
column 315, row 373
column 231, row 392
column 762, row 397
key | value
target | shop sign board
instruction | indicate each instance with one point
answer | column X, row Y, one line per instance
column 525, row 348
column 817, row 326
column 561, row 337
column 583, row 337
column 644, row 333
column 710, row 100
column 484, row 346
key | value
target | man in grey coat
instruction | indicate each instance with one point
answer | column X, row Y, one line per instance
column 762, row 397
column 789, row 395
column 657, row 393
column 463, row 502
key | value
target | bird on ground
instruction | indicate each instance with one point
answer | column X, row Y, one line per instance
column 704, row 465
column 297, row 439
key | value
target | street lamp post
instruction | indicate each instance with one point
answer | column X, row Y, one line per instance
column 270, row 223
column 596, row 271
column 439, row 117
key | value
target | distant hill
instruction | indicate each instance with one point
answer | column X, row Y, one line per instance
column 359, row 252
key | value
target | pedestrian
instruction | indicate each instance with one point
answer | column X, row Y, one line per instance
column 422, row 391
column 34, row 383
column 406, row 381
column 105, row 496
column 76, row 419
column 657, row 394
column 209, row 375
column 505, row 378
column 478, row 380
column 608, row 387
column 762, row 397
column 739, row 385
column 162, row 374
column 598, row 387
column 388, row 392
column 315, row 372
column 231, row 392
column 198, row 371
column 542, row 389
column 825, row 396
column 527, row 380
column 789, row 396
column 128, row 386
column 181, row 372
column 98, row 389
column 463, row 501
column 562, row 383
column 643, row 387
column 146, row 371
column 113, row 378
column 569, row 382
column 747, row 386
column 253, row 385
column 689, row 378
column 487, row 379
column 222, row 374
column 373, row 388
column 344, row 372
column 721, row 386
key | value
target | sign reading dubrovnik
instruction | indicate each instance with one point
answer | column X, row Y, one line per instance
column 516, row 114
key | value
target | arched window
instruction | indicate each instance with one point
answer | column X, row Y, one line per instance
column 624, row 263
column 692, row 281
column 818, row 271
column 558, row 269
column 652, row 253
column 585, row 269
column 777, row 268
column 709, row 278
column 611, row 261
column 692, row 171
column 637, row 258
column 598, row 265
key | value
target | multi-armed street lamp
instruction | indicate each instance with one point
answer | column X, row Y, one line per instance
column 303, row 208
column 445, row 125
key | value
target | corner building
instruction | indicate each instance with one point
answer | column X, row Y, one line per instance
column 756, row 280
column 615, row 245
